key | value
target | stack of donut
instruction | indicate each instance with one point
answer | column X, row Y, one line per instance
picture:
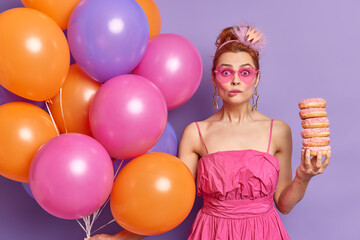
column 316, row 132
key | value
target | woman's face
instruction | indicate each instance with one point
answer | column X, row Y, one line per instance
column 235, row 77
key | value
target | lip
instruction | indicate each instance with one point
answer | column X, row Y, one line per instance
column 234, row 92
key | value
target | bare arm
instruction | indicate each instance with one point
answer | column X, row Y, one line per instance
column 290, row 191
column 189, row 143
column 123, row 235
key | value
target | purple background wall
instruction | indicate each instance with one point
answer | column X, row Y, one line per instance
column 312, row 51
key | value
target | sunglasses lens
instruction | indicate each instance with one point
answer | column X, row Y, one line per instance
column 247, row 74
column 224, row 74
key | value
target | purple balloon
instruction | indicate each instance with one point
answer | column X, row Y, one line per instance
column 7, row 96
column 71, row 176
column 26, row 186
column 168, row 142
column 108, row 38
column 128, row 115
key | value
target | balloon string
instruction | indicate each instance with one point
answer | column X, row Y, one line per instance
column 62, row 110
column 118, row 169
column 88, row 229
column 52, row 118
column 89, row 223
column 104, row 226
column 116, row 173
column 81, row 225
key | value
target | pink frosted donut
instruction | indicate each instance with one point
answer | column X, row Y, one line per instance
column 312, row 103
column 316, row 142
column 312, row 113
column 315, row 132
column 314, row 150
column 322, row 122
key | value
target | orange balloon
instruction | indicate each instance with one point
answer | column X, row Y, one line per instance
column 34, row 54
column 153, row 15
column 59, row 10
column 23, row 129
column 76, row 96
column 152, row 194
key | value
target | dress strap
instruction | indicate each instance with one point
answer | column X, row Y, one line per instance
column 202, row 139
column 271, row 126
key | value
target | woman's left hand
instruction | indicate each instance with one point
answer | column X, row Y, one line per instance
column 310, row 167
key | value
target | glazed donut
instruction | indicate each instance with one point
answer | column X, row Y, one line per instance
column 312, row 113
column 321, row 122
column 314, row 150
column 315, row 132
column 316, row 142
column 312, row 103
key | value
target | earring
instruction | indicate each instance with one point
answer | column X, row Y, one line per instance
column 215, row 97
column 255, row 98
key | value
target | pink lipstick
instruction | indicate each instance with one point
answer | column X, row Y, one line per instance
column 234, row 92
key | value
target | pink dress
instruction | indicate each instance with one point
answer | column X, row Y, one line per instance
column 238, row 189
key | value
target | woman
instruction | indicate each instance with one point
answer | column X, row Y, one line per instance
column 245, row 157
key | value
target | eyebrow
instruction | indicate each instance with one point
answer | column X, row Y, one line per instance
column 229, row 65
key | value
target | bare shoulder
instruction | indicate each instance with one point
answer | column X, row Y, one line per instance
column 190, row 131
column 190, row 138
column 281, row 128
column 282, row 136
column 193, row 131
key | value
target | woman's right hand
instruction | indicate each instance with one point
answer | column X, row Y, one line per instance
column 102, row 237
column 123, row 235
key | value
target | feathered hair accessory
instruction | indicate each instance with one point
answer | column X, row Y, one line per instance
column 249, row 37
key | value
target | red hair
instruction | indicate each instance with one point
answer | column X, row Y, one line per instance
column 235, row 46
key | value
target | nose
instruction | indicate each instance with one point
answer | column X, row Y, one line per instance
column 236, row 80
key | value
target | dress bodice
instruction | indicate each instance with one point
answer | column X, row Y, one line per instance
column 240, row 174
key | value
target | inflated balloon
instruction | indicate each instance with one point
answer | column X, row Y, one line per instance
column 60, row 11
column 70, row 107
column 108, row 38
column 152, row 194
column 23, row 129
column 81, row 181
column 168, row 142
column 128, row 115
column 153, row 16
column 174, row 64
column 34, row 54
column 7, row 96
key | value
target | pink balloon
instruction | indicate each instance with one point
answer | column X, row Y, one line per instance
column 174, row 64
column 71, row 176
column 128, row 116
